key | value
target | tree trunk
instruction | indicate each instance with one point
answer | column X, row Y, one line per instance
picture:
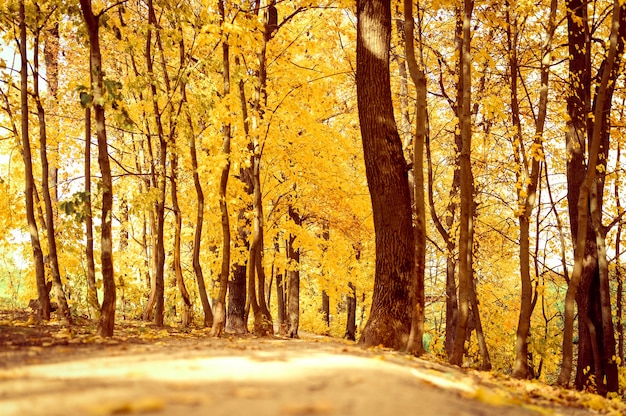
column 51, row 51
column 585, row 210
column 393, row 299
column 415, row 345
column 256, row 277
column 43, row 311
column 326, row 308
column 107, row 314
column 466, row 189
column 178, row 220
column 351, row 313
column 92, row 292
column 197, row 238
column 53, row 258
column 619, row 325
column 293, row 277
column 526, row 203
column 159, row 283
column 236, row 315
column 220, row 305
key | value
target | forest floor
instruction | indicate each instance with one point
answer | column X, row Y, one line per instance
column 50, row 370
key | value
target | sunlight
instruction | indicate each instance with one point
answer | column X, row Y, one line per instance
column 259, row 367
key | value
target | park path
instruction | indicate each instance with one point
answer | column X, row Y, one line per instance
column 250, row 376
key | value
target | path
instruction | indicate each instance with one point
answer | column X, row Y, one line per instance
column 203, row 376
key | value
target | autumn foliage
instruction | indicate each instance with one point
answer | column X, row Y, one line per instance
column 201, row 164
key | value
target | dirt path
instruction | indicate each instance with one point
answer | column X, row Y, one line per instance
column 233, row 376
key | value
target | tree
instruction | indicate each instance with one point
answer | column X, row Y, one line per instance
column 389, row 322
column 220, row 305
column 589, row 285
column 293, row 278
column 527, row 178
column 418, row 76
column 50, row 226
column 106, row 322
column 466, row 187
column 29, row 190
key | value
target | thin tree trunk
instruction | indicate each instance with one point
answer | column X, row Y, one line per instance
column 29, row 189
column 107, row 314
column 326, row 308
column 351, row 313
column 178, row 219
column 197, row 238
column 220, row 306
column 527, row 203
column 619, row 327
column 92, row 292
column 256, row 278
column 53, row 258
column 238, row 298
column 281, row 285
column 159, row 283
column 466, row 190
column 415, row 345
column 51, row 58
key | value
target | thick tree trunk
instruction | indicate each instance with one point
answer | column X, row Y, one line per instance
column 585, row 188
column 393, row 299
column 29, row 188
column 236, row 313
column 588, row 282
column 107, row 314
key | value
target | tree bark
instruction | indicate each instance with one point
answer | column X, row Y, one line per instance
column 585, row 214
column 415, row 345
column 197, row 237
column 326, row 308
column 236, row 313
column 159, row 283
column 466, row 189
column 92, row 292
column 53, row 258
column 393, row 299
column 107, row 314
column 29, row 188
column 293, row 277
column 526, row 203
column 256, row 277
column 220, row 305
column 351, row 313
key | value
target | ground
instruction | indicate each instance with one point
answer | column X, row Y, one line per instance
column 50, row 370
